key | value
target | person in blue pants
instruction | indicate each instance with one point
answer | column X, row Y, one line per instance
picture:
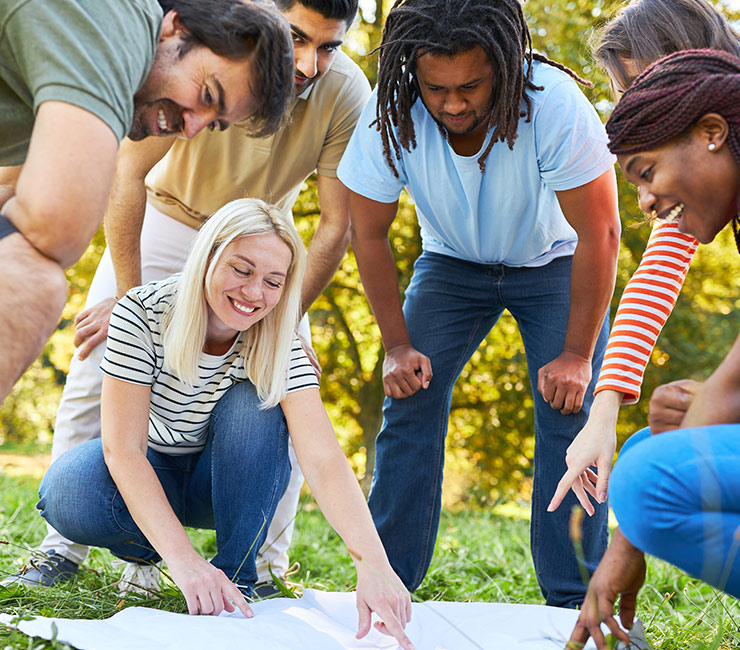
column 676, row 133
column 515, row 193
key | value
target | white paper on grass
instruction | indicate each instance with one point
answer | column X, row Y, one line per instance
column 318, row 621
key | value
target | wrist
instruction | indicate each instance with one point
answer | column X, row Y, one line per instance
column 576, row 352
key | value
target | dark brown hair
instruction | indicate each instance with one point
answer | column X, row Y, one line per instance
column 646, row 30
column 238, row 29
column 447, row 28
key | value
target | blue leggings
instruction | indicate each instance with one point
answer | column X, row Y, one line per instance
column 677, row 496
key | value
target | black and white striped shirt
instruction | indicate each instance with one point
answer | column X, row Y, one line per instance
column 178, row 413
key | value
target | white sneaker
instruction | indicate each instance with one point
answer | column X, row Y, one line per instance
column 142, row 579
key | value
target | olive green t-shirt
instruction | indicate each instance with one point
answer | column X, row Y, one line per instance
column 94, row 54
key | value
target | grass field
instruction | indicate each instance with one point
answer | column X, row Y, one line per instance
column 479, row 557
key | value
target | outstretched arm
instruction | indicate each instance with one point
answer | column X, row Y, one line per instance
column 405, row 369
column 339, row 496
column 620, row 575
column 644, row 307
column 125, row 424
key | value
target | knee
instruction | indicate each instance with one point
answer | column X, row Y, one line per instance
column 240, row 411
column 644, row 495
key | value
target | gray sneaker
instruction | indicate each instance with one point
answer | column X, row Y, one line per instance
column 48, row 571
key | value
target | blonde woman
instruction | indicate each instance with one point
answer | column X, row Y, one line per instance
column 204, row 381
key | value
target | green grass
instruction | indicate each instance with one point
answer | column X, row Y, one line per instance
column 479, row 557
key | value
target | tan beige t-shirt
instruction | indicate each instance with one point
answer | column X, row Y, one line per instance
column 198, row 176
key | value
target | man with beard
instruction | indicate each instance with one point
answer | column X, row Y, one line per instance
column 150, row 226
column 516, row 197
column 76, row 76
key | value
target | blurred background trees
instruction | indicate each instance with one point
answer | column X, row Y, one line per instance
column 490, row 444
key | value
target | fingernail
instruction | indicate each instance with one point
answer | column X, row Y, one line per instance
column 250, row 613
column 602, row 496
column 550, row 508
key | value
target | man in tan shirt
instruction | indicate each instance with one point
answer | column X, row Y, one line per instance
column 163, row 191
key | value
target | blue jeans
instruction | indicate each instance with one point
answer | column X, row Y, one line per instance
column 450, row 307
column 677, row 496
column 232, row 486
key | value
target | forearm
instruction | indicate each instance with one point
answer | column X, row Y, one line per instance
column 147, row 503
column 380, row 281
column 123, row 222
column 338, row 494
column 591, row 288
column 645, row 305
column 325, row 253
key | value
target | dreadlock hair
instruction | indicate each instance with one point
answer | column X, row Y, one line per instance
column 448, row 27
column 645, row 30
column 671, row 96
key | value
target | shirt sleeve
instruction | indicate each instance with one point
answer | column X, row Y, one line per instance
column 129, row 352
column 363, row 168
column 301, row 374
column 644, row 307
column 346, row 113
column 571, row 140
column 86, row 66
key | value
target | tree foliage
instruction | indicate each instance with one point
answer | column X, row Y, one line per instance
column 490, row 442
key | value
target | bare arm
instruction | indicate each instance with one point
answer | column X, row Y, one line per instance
column 125, row 424
column 644, row 307
column 339, row 496
column 405, row 370
column 123, row 219
column 62, row 188
column 593, row 212
column 330, row 240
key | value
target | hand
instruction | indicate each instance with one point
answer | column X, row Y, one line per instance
column 311, row 354
column 621, row 574
column 405, row 371
column 382, row 592
column 669, row 403
column 563, row 381
column 207, row 590
column 593, row 447
column 91, row 327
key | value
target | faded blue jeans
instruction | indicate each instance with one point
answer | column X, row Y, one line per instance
column 677, row 496
column 450, row 307
column 232, row 486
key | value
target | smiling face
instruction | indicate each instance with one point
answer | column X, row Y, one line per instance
column 246, row 284
column 686, row 180
column 316, row 41
column 184, row 94
column 458, row 91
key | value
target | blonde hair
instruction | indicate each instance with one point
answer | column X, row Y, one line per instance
column 266, row 346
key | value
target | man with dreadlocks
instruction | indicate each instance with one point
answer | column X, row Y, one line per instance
column 515, row 193
column 676, row 133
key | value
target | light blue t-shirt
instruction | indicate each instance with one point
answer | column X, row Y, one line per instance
column 509, row 214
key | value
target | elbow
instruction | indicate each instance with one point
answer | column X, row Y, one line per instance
column 55, row 229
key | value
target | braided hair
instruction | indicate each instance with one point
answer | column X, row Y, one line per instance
column 672, row 95
column 448, row 27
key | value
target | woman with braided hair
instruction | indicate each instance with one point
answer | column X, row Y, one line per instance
column 641, row 33
column 676, row 133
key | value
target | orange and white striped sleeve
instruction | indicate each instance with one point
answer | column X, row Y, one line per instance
column 646, row 303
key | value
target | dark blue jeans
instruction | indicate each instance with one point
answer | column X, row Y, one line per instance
column 677, row 496
column 450, row 307
column 232, row 486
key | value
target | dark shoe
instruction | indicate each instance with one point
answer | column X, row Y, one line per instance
column 46, row 572
column 264, row 590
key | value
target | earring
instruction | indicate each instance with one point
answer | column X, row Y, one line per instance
column 712, row 146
